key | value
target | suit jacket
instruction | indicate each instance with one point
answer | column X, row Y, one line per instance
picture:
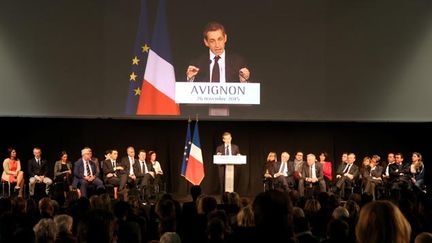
column 377, row 172
column 234, row 149
column 58, row 166
column 126, row 165
column 137, row 168
column 290, row 165
column 354, row 170
column 233, row 64
column 318, row 171
column 395, row 170
column 270, row 167
column 79, row 169
column 108, row 167
column 35, row 169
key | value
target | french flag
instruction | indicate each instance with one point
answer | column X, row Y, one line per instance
column 158, row 88
column 195, row 165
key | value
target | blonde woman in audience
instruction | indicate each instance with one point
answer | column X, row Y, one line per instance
column 382, row 221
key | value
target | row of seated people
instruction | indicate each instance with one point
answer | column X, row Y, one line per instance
column 313, row 174
column 86, row 171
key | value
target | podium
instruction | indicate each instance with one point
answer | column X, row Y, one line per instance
column 229, row 161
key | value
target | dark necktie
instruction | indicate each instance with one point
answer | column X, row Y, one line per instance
column 346, row 169
column 142, row 167
column 215, row 72
column 88, row 169
column 226, row 150
column 38, row 162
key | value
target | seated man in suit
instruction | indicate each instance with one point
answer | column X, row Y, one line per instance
column 128, row 164
column 399, row 173
column 38, row 171
column 312, row 174
column 285, row 169
column 144, row 173
column 374, row 177
column 347, row 174
column 85, row 173
column 113, row 171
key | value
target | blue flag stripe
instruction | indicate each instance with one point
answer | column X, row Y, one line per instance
column 142, row 39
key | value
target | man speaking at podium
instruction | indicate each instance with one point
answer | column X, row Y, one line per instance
column 225, row 149
column 217, row 66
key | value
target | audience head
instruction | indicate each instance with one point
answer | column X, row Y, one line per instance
column 165, row 209
column 45, row 231
column 64, row 223
column 245, row 217
column 340, row 213
column 206, row 204
column 312, row 206
column 382, row 221
column 273, row 212
column 424, row 237
column 46, row 208
column 97, row 226
column 216, row 230
column 338, row 230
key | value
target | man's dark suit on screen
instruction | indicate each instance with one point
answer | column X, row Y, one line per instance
column 233, row 64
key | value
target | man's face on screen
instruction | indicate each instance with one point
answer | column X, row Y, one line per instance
column 215, row 41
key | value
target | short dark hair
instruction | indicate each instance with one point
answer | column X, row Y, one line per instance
column 400, row 154
column 213, row 26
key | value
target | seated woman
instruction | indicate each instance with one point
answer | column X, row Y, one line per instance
column 158, row 172
column 63, row 171
column 374, row 176
column 270, row 170
column 417, row 170
column 365, row 170
column 327, row 168
column 12, row 171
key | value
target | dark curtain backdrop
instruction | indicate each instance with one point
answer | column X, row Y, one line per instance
column 255, row 138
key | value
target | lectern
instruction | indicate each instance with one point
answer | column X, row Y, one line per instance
column 229, row 161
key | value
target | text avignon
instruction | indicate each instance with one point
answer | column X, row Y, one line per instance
column 218, row 90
